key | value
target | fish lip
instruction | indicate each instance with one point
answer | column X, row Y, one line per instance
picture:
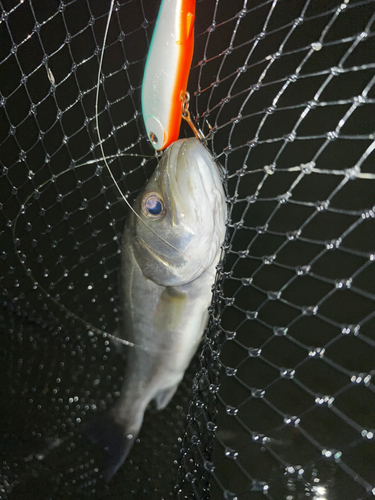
column 191, row 173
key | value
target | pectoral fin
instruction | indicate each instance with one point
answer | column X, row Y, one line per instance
column 163, row 397
column 169, row 311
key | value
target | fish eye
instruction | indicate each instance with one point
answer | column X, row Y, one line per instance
column 153, row 206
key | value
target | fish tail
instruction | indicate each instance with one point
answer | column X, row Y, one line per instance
column 113, row 439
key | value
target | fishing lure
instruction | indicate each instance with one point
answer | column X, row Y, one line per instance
column 167, row 70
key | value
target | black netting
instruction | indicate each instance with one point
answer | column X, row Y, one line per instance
column 280, row 400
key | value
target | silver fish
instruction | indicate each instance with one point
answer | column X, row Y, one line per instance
column 169, row 255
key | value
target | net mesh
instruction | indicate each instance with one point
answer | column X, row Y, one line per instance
column 279, row 401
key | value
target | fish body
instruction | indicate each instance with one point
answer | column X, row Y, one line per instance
column 169, row 256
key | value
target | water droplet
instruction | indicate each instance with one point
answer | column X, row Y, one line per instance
column 195, row 440
column 327, row 453
column 231, row 453
column 350, row 329
column 254, row 352
column 246, row 281
column 279, row 331
column 259, row 438
column 331, row 245
column 211, row 426
column 368, row 214
column 316, row 352
column 270, row 169
column 343, row 284
column 287, row 373
column 209, row 466
column 258, row 393
column 231, row 410
column 290, row 137
column 292, row 420
column 231, row 372
column 335, row 70
column 303, row 270
column 190, row 477
column 270, row 110
column 268, row 259
column 313, row 103
column 22, row 155
column 252, row 199
column 322, row 205
column 352, row 173
column 316, row 46
column 251, row 315
column 243, row 254
column 367, row 434
column 307, row 168
column 237, row 119
column 273, row 295
column 298, row 21
column 332, row 136
column 260, row 36
column 259, row 486
column 283, row 198
column 213, row 388
column 321, row 399
column 335, row 454
column 293, row 235
column 309, row 310
column 361, row 378
column 230, row 335
column 261, row 229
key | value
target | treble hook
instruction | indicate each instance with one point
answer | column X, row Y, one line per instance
column 185, row 113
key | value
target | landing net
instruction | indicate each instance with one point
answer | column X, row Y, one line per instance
column 279, row 402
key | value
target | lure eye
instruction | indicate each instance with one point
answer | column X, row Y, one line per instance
column 153, row 206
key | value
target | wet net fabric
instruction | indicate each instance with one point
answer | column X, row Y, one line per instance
column 279, row 402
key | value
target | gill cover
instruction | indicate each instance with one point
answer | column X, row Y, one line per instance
column 167, row 70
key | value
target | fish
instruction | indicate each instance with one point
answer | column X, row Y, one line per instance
column 170, row 249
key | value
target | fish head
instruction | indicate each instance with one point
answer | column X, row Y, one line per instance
column 180, row 222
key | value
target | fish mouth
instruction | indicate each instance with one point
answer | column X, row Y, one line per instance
column 193, row 179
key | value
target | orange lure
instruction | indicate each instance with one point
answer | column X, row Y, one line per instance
column 167, row 70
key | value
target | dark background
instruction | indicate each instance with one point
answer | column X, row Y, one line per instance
column 280, row 399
